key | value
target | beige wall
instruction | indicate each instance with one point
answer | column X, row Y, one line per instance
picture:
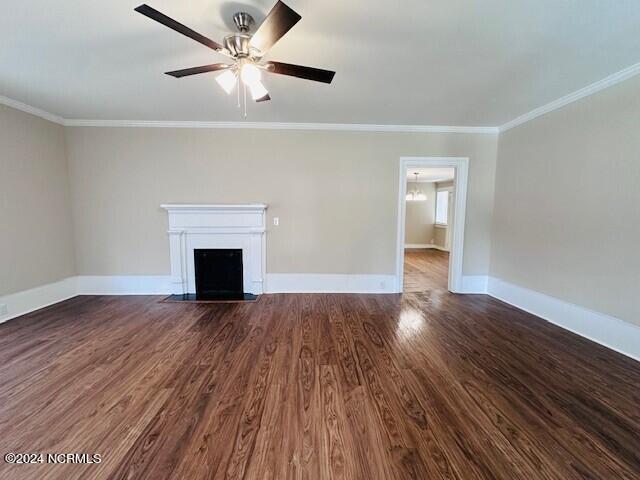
column 335, row 193
column 446, row 184
column 567, row 203
column 36, row 239
column 419, row 216
column 439, row 236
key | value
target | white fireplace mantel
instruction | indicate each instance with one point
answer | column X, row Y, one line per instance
column 193, row 226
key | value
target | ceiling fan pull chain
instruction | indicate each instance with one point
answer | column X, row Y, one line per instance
column 238, row 85
column 245, row 100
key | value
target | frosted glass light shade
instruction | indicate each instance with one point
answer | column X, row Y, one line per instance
column 227, row 80
column 250, row 74
column 258, row 90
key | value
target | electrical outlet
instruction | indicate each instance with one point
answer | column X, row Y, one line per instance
column 3, row 309
column 276, row 221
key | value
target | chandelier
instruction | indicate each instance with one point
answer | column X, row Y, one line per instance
column 416, row 195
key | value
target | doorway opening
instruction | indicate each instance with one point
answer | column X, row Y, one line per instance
column 428, row 210
column 431, row 208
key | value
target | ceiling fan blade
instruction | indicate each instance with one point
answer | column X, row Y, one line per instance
column 279, row 21
column 264, row 99
column 196, row 70
column 308, row 73
column 159, row 17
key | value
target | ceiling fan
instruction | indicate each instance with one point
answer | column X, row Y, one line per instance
column 245, row 51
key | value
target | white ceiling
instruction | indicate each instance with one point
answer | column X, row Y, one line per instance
column 416, row 62
column 430, row 174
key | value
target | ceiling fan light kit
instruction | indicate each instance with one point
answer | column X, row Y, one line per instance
column 227, row 80
column 245, row 51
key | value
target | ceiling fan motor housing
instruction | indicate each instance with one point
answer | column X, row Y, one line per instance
column 238, row 43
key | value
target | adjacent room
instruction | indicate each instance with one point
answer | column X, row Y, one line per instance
column 427, row 238
column 320, row 240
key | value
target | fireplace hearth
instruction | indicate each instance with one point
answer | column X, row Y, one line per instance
column 218, row 273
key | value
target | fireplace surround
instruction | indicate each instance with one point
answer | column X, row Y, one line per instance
column 239, row 227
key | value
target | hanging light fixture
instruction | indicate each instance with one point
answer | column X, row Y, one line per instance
column 245, row 75
column 416, row 195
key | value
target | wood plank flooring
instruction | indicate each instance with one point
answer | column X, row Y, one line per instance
column 418, row 386
column 425, row 269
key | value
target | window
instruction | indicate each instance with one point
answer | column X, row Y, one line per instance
column 442, row 207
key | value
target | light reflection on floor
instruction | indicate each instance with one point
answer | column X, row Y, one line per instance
column 411, row 322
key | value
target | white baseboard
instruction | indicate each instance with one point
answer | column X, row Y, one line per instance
column 419, row 245
column 125, row 285
column 606, row 330
column 29, row 300
column 474, row 284
column 17, row 304
column 425, row 245
column 329, row 283
column 36, row 298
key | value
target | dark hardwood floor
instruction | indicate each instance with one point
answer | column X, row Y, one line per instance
column 425, row 269
column 419, row 386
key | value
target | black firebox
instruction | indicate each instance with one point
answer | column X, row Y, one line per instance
column 218, row 273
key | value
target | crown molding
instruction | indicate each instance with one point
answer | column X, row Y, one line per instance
column 606, row 82
column 348, row 127
column 345, row 127
column 23, row 107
